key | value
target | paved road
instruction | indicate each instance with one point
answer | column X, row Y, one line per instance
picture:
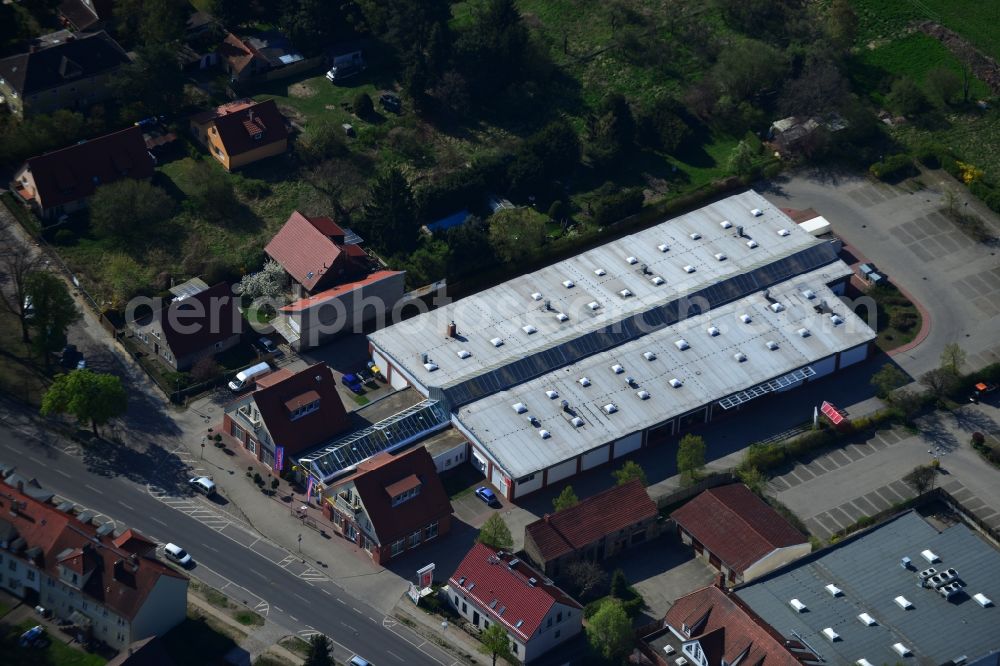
column 249, row 569
column 906, row 236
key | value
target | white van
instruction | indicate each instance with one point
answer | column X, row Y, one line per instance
column 246, row 378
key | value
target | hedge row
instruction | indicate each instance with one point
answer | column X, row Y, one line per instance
column 894, row 167
column 936, row 156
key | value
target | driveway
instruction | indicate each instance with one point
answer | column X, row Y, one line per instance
column 907, row 237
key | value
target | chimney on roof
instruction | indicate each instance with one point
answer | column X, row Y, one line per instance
column 739, row 231
column 545, row 517
column 452, row 330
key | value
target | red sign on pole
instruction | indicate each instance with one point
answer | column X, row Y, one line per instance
column 832, row 413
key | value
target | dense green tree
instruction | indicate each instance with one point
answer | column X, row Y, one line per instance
column 496, row 644
column 944, row 83
column 753, row 478
column 54, row 309
column 940, row 381
column 841, row 23
column 610, row 631
column 322, row 140
column 149, row 22
column 495, row 533
column 20, row 140
column 952, row 358
column 125, row 211
column 212, row 192
column 748, row 68
column 319, row 651
column 313, row 24
column 768, row 18
column 388, row 217
column 92, row 397
column 609, row 132
column 566, row 499
column 517, row 235
column 740, row 161
column 492, row 47
column 470, row 247
column 123, row 277
column 691, row 455
column 630, row 470
column 906, row 98
column 888, row 379
column 661, row 124
column 818, row 88
column 232, row 13
column 428, row 263
column 619, row 585
column 151, row 85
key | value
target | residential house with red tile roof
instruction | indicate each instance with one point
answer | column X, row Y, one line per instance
column 711, row 627
column 241, row 132
column 72, row 73
column 286, row 414
column 392, row 504
column 494, row 587
column 190, row 327
column 63, row 181
column 738, row 533
column 344, row 288
column 112, row 589
column 597, row 528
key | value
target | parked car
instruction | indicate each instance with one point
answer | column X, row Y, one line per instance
column 203, row 485
column 175, row 553
column 34, row 637
column 247, row 378
column 358, row 660
column 980, row 390
column 353, row 382
column 341, row 72
column 366, row 376
column 267, row 346
column 71, row 358
column 391, row 102
column 487, row 495
column 43, row 611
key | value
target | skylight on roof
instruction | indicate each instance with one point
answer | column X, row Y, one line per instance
column 740, row 357
column 831, row 635
column 430, row 366
column 804, row 332
column 662, row 247
column 593, row 305
column 784, row 232
column 756, row 212
column 695, row 236
column 833, row 590
column 464, row 353
column 576, row 421
column 676, row 383
column 518, row 624
column 903, row 602
column 600, row 272
column 568, row 284
column 551, row 395
column 930, row 556
column 657, row 280
column 536, row 296
column 529, row 329
column 863, row 662
column 745, row 318
column 809, row 293
column 519, row 407
column 625, row 293
column 610, row 408
column 681, row 344
column 713, row 331
column 725, row 224
column 720, row 256
column 689, row 269
column 617, row 369
column 544, row 434
column 777, row 307
column 901, row 649
column 772, row 345
column 631, row 260
column 496, row 342
column 867, row 620
column 752, row 244
column 583, row 381
column 643, row 394
column 836, row 319
column 649, row 356
column 797, row 605
column 561, row 316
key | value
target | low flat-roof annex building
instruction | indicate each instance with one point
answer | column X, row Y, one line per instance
column 624, row 345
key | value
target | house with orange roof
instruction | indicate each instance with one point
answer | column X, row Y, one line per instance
column 108, row 589
column 241, row 132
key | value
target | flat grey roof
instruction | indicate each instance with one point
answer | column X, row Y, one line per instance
column 867, row 570
column 634, row 263
column 707, row 370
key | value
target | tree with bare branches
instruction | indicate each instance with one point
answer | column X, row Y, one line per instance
column 16, row 264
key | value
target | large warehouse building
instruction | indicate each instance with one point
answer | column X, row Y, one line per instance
column 619, row 347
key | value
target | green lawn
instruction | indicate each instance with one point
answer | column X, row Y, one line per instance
column 57, row 653
column 977, row 21
column 973, row 137
column 20, row 376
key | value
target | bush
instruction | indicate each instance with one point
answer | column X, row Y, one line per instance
column 894, row 167
column 252, row 188
column 931, row 155
column 616, row 206
column 903, row 320
column 363, row 106
column 64, row 237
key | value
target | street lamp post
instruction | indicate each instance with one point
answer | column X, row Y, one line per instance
column 203, row 447
column 300, row 543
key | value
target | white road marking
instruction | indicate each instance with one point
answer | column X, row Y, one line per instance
column 99, row 492
column 294, row 619
column 394, row 655
column 158, row 520
column 36, row 460
column 59, row 471
column 349, row 627
column 327, row 592
column 300, row 597
column 127, row 506
column 258, row 573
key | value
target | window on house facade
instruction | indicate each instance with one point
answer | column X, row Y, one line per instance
column 465, row 608
column 558, row 632
column 415, row 539
column 12, row 565
column 251, row 445
column 31, row 574
column 398, row 547
column 559, row 616
column 405, row 496
column 305, row 409
column 513, row 647
column 549, row 623
column 432, row 530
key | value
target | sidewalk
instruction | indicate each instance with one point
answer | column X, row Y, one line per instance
column 454, row 637
column 256, row 640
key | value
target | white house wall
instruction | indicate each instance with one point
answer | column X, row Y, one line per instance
column 776, row 558
column 592, row 459
column 628, row 444
column 562, row 471
column 532, row 483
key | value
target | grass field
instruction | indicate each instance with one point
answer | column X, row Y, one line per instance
column 57, row 653
column 977, row 21
column 20, row 376
column 913, row 56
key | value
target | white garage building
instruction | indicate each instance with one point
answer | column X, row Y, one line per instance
column 596, row 356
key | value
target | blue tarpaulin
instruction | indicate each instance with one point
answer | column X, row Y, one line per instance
column 449, row 222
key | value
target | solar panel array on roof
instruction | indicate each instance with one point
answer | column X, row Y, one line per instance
column 403, row 428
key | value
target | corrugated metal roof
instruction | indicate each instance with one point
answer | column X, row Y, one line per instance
column 706, row 371
column 867, row 570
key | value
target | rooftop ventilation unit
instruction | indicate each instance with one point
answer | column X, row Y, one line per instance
column 562, row 316
column 797, row 605
column 544, row 434
column 756, row 212
column 676, row 383
column 649, row 356
column 631, row 382
column 533, row 420
column 430, row 366
column 576, row 421
column 529, row 329
column 643, row 394
column 464, row 353
column 625, row 293
column 740, row 356
column 929, row 556
column 745, row 318
column 593, row 305
column 682, row 344
column 784, row 232
column 831, row 635
column 777, row 307
column 803, row 332
column 584, row 381
column 617, row 368
column 662, row 247
column 833, row 590
column 519, row 407
column 680, row 661
column 950, row 590
column 695, row 236
column 669, row 649
column 905, row 562
column 772, row 345
column 982, row 600
column 496, row 342
column 726, row 224
column 568, row 284
column 836, row 319
column 536, row 296
column 610, row 408
column 600, row 272
column 657, row 280
column 632, row 260
column 809, row 293
column 713, row 331
column 903, row 602
column 720, row 257
column 901, row 649
column 867, row 620
column 551, row 395
column 689, row 269
column 863, row 662
column 926, row 573
column 752, row 244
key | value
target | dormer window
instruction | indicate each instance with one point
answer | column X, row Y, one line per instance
column 257, row 136
column 404, row 490
column 305, row 409
column 300, row 405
